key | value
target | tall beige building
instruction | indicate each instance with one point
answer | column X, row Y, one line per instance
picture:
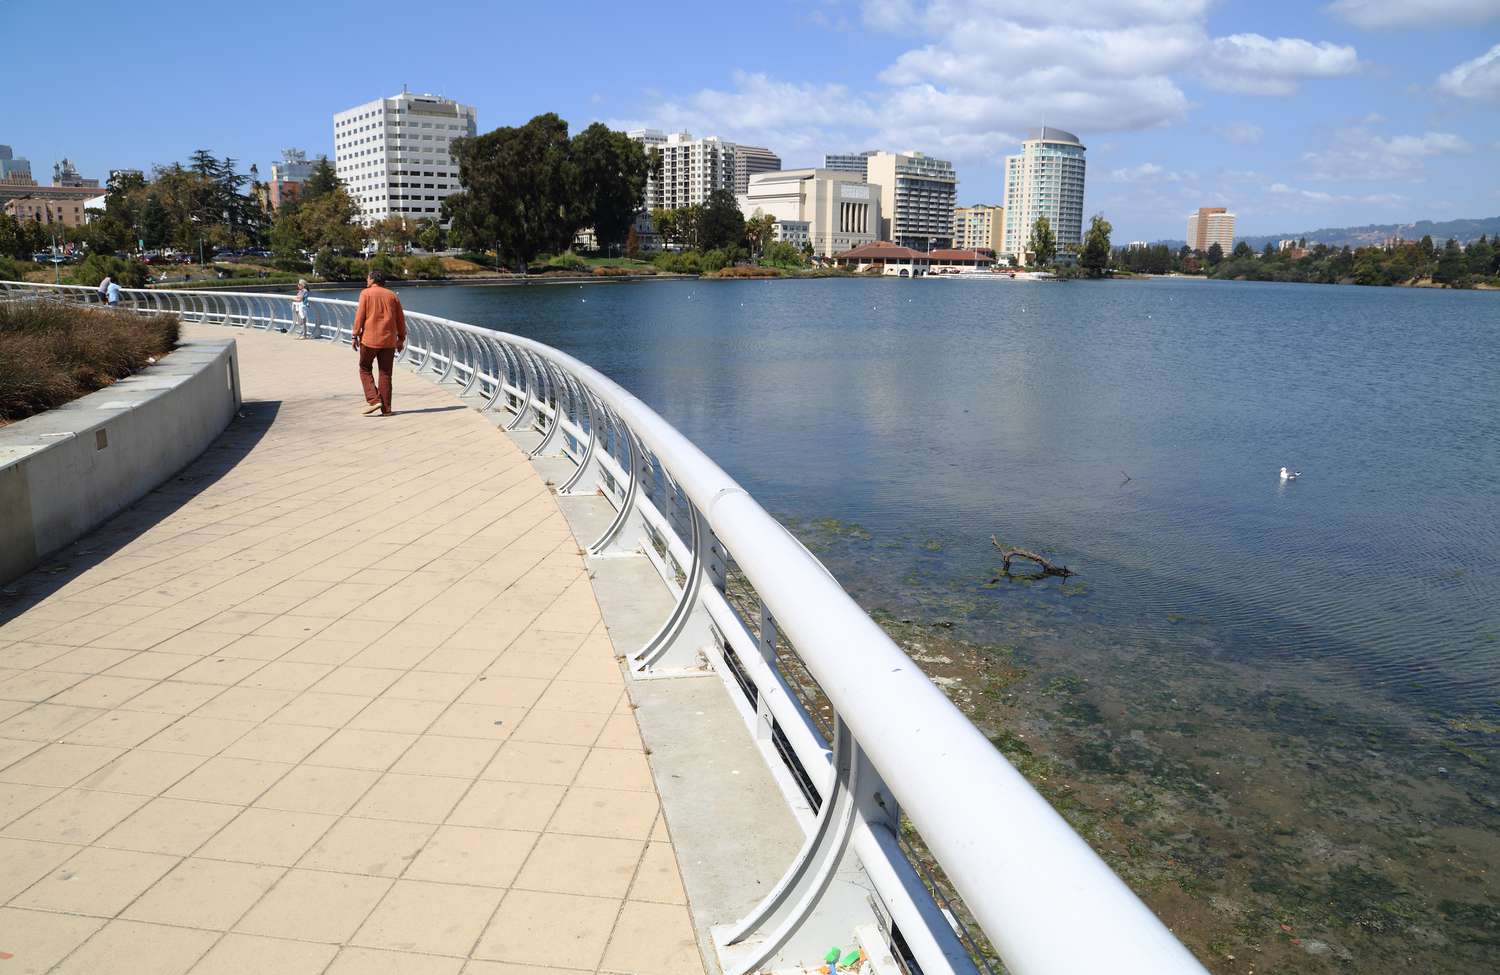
column 833, row 211
column 979, row 227
column 916, row 198
column 1210, row 226
column 749, row 160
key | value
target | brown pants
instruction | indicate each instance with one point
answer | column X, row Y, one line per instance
column 386, row 358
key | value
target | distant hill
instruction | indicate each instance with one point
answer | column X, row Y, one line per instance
column 1440, row 230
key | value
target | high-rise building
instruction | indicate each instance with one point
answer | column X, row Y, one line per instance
column 830, row 210
column 14, row 170
column 1045, row 180
column 691, row 168
column 848, row 162
column 393, row 154
column 66, row 174
column 916, row 198
column 979, row 227
column 750, row 160
column 1210, row 226
column 287, row 178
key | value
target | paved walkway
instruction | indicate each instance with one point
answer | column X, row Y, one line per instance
column 337, row 699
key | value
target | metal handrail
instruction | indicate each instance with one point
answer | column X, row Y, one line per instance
column 1045, row 901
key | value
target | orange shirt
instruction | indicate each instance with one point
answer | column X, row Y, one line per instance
column 379, row 323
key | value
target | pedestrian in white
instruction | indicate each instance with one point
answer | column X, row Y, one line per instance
column 299, row 308
column 104, row 287
column 113, row 293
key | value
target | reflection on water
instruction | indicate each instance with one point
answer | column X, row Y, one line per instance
column 1332, row 644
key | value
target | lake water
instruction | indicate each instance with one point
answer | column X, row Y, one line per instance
column 1342, row 627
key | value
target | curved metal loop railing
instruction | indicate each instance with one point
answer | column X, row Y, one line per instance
column 898, row 747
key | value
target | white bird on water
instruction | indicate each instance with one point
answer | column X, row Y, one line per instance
column 1287, row 475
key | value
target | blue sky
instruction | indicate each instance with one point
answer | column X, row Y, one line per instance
column 1295, row 115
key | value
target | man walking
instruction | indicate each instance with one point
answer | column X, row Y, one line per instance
column 379, row 333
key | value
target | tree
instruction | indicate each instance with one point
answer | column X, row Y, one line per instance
column 781, row 253
column 722, row 225
column 610, row 172
column 321, row 180
column 392, row 234
column 1451, row 267
column 760, row 230
column 1242, row 251
column 518, row 185
column 632, row 242
column 155, row 224
column 429, row 235
column 327, row 222
column 1215, row 254
column 663, row 222
column 1043, row 244
column 1094, row 258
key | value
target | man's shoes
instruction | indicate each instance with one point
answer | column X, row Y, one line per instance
column 372, row 408
column 387, row 412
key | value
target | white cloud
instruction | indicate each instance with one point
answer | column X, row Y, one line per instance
column 1359, row 154
column 1241, row 133
column 1478, row 79
column 1148, row 172
column 1320, row 196
column 1252, row 64
column 1378, row 14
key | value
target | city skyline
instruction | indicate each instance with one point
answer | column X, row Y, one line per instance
column 1351, row 112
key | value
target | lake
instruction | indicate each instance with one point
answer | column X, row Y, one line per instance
column 1275, row 703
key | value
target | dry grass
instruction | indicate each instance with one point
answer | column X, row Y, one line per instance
column 51, row 352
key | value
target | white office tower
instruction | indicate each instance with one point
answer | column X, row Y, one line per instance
column 749, row 161
column 691, row 168
column 1045, row 180
column 392, row 154
column 832, row 211
column 916, row 198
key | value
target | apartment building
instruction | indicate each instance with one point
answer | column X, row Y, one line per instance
column 750, row 160
column 1210, row 226
column 691, row 169
column 916, row 198
column 393, row 154
column 1045, row 180
column 833, row 211
column 979, row 227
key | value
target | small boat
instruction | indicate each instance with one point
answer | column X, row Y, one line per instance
column 1287, row 475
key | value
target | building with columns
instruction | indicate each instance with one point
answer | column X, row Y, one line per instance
column 832, row 211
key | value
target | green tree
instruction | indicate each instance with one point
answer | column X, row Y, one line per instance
column 1451, row 266
column 1094, row 258
column 760, row 231
column 609, row 169
column 430, row 235
column 155, row 223
column 1242, row 251
column 393, row 234
column 1043, row 243
column 321, row 180
column 1215, row 254
column 722, row 225
column 664, row 222
column 781, row 253
column 518, row 185
column 327, row 222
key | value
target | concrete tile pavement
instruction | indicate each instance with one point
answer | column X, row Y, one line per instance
column 336, row 698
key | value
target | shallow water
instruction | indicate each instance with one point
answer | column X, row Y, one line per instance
column 1132, row 430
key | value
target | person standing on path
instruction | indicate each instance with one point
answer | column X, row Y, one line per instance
column 299, row 308
column 379, row 333
column 104, row 288
column 113, row 294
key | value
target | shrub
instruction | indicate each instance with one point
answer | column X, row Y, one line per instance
column 745, row 272
column 52, row 352
column 331, row 267
column 9, row 269
column 568, row 261
column 127, row 274
column 679, row 262
column 622, row 272
column 779, row 253
column 387, row 264
column 296, row 264
column 424, row 268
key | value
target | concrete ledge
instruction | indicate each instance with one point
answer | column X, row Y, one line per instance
column 64, row 472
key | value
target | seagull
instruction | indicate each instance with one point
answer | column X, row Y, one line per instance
column 1287, row 475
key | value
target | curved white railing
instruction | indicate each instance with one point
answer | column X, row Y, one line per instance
column 898, row 746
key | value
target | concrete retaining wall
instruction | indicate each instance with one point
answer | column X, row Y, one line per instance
column 65, row 471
